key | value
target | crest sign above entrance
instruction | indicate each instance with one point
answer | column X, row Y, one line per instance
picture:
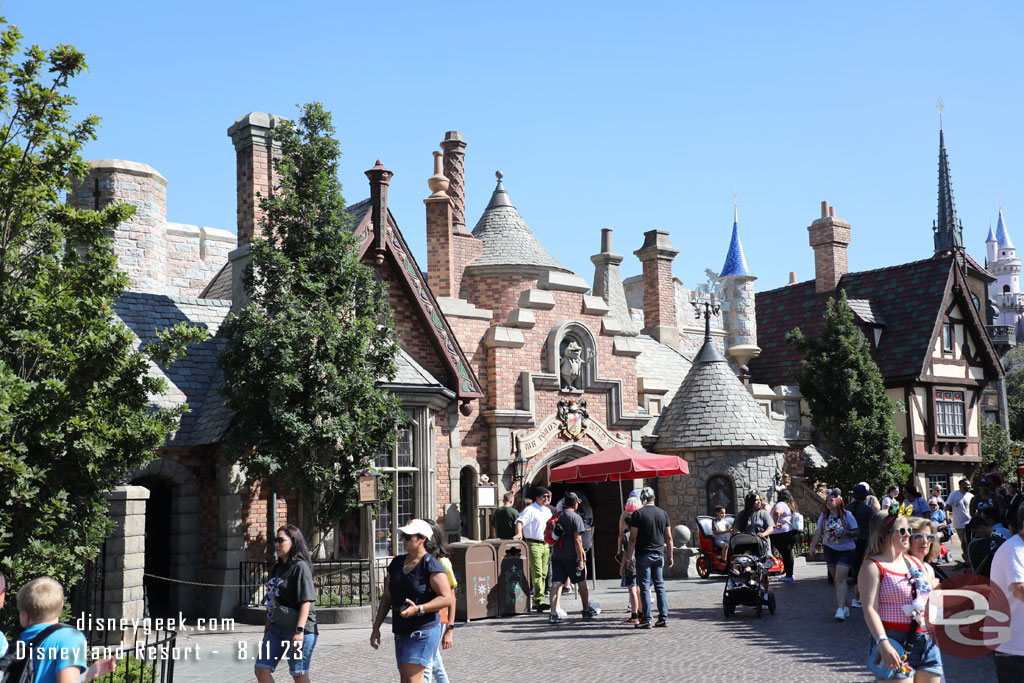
column 532, row 443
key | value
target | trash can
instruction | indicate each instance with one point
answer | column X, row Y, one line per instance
column 476, row 596
column 513, row 565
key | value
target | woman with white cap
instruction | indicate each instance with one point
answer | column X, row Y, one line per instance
column 416, row 590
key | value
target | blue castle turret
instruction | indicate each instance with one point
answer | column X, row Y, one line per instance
column 740, row 318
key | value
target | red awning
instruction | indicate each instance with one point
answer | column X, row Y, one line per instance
column 618, row 463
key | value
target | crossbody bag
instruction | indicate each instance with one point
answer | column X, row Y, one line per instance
column 876, row 664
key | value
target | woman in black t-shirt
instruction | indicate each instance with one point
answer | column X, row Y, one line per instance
column 415, row 590
column 290, row 630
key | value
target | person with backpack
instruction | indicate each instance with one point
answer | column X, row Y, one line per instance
column 56, row 652
column 838, row 531
column 628, row 580
column 863, row 507
column 649, row 531
column 530, row 526
column 568, row 559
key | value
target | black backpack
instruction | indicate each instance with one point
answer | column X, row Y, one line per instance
column 15, row 670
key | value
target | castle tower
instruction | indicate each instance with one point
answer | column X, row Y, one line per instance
column 948, row 230
column 740, row 320
column 991, row 246
column 1006, row 267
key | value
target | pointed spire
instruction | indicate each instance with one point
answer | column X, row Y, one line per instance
column 1002, row 234
column 735, row 261
column 500, row 196
column 991, row 235
column 948, row 235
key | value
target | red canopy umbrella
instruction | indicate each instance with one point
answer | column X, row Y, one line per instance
column 618, row 463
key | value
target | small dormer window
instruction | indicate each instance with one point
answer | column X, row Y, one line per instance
column 947, row 337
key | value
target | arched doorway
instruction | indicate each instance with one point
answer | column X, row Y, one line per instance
column 157, row 593
column 601, row 500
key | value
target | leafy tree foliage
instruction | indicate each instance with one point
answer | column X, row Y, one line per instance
column 304, row 357
column 846, row 396
column 997, row 451
column 75, row 414
column 1015, row 391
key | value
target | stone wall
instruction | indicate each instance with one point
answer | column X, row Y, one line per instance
column 686, row 497
column 125, row 558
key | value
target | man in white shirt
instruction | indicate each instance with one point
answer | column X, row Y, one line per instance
column 1008, row 574
column 959, row 506
column 530, row 526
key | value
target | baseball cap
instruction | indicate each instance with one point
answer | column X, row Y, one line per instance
column 417, row 527
column 646, row 494
column 570, row 499
column 860, row 491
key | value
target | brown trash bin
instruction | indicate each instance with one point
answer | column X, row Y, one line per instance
column 513, row 563
column 474, row 566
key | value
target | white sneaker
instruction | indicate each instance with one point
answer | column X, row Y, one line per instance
column 841, row 613
column 561, row 612
column 855, row 603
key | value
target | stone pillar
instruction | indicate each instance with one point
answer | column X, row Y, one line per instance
column 254, row 167
column 829, row 237
column 659, row 288
column 230, row 533
column 454, row 169
column 139, row 243
column 125, row 560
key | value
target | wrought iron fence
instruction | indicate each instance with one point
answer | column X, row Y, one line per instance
column 803, row 543
column 338, row 583
column 149, row 660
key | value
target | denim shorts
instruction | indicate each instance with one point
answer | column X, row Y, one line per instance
column 419, row 646
column 277, row 644
column 924, row 654
column 628, row 579
column 847, row 558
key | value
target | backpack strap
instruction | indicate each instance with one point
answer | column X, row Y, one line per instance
column 45, row 633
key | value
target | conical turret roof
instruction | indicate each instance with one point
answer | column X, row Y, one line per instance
column 1002, row 234
column 735, row 261
column 713, row 410
column 991, row 235
column 508, row 240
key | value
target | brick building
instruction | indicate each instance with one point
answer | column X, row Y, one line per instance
column 505, row 354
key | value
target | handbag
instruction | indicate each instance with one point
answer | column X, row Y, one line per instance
column 285, row 617
column 796, row 522
column 876, row 664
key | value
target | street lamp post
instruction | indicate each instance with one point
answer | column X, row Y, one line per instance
column 519, row 468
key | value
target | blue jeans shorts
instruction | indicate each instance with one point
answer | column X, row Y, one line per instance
column 847, row 558
column 419, row 646
column 277, row 644
column 924, row 654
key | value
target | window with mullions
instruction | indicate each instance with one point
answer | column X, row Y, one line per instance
column 947, row 337
column 400, row 466
column 949, row 413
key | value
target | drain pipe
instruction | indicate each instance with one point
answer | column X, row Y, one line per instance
column 273, row 511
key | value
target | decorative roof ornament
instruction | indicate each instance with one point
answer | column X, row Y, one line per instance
column 708, row 353
column 735, row 260
column 500, row 196
column 948, row 230
column 1002, row 234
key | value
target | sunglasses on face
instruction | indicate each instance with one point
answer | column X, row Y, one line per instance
column 902, row 531
column 280, row 539
column 921, row 537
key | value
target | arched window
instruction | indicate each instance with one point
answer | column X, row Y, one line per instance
column 1006, row 289
column 572, row 356
column 720, row 491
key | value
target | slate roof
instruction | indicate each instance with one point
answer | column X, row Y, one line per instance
column 411, row 373
column 190, row 378
column 906, row 297
column 661, row 361
column 866, row 312
column 712, row 409
column 508, row 240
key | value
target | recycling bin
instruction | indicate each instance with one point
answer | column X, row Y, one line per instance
column 475, row 568
column 513, row 566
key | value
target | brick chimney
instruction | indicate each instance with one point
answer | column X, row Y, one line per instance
column 454, row 169
column 659, row 289
column 829, row 238
column 439, row 232
column 254, row 155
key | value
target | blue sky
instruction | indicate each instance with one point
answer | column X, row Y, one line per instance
column 628, row 116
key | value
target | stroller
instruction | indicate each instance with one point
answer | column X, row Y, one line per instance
column 748, row 576
column 710, row 558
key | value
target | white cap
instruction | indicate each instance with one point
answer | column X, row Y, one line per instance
column 417, row 526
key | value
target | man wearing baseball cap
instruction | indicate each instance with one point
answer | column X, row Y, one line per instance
column 530, row 526
column 569, row 560
column 863, row 507
column 649, row 531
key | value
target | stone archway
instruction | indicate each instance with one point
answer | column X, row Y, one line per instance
column 182, row 560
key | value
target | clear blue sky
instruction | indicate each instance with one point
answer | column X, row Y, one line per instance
column 631, row 116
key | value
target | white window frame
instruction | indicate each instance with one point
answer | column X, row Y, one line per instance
column 950, row 413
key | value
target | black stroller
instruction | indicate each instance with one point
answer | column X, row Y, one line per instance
column 748, row 576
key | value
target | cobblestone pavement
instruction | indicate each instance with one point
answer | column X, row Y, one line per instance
column 801, row 642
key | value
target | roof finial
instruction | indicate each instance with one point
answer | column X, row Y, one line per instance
column 500, row 196
column 940, row 106
column 735, row 206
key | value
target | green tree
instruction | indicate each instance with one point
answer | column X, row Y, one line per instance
column 1015, row 391
column 846, row 396
column 75, row 413
column 304, row 357
column 997, row 451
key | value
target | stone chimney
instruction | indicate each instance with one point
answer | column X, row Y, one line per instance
column 439, row 232
column 608, row 283
column 454, row 169
column 659, row 290
column 829, row 236
column 254, row 156
column 380, row 179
